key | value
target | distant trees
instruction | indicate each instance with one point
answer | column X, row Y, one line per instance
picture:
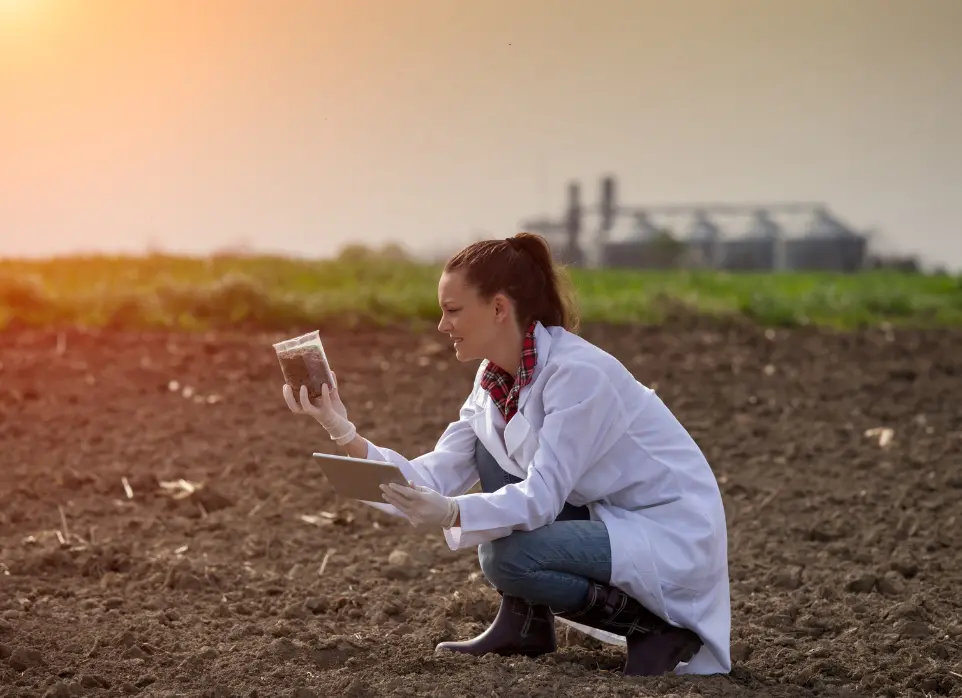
column 356, row 252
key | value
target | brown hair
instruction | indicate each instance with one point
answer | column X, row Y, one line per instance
column 521, row 267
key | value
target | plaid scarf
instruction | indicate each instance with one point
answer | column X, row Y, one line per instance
column 502, row 387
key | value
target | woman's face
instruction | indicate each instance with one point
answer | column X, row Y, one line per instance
column 474, row 324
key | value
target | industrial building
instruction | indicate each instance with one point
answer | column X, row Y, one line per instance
column 794, row 236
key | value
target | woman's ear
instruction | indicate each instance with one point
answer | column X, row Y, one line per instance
column 502, row 308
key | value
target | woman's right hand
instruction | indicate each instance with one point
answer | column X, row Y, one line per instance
column 328, row 410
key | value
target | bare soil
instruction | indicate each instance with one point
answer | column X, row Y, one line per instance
column 204, row 554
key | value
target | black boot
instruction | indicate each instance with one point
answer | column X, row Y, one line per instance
column 519, row 628
column 654, row 645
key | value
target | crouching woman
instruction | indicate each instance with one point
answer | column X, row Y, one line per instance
column 597, row 507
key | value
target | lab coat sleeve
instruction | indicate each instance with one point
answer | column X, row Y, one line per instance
column 584, row 417
column 449, row 469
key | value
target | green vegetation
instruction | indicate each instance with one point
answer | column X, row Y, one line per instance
column 361, row 286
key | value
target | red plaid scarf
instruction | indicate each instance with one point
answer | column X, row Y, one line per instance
column 502, row 387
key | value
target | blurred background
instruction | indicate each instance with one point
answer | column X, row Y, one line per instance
column 185, row 182
column 301, row 126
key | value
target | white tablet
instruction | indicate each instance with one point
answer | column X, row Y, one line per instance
column 359, row 478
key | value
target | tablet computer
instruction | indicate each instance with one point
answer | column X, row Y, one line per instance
column 359, row 478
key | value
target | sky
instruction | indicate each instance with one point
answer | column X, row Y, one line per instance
column 297, row 126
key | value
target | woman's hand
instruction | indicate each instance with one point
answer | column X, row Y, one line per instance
column 329, row 411
column 422, row 505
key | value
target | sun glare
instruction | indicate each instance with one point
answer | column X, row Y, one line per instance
column 19, row 7
column 16, row 8
column 20, row 20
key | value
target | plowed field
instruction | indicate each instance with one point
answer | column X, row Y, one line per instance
column 163, row 530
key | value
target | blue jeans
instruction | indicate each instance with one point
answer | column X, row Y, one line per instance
column 550, row 565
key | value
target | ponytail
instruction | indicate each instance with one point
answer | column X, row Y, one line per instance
column 522, row 267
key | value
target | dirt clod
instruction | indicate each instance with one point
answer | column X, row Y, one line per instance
column 401, row 565
column 22, row 659
column 89, row 681
column 135, row 652
column 892, row 584
column 861, row 583
column 64, row 690
column 914, row 629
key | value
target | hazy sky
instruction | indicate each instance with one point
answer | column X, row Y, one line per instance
column 297, row 125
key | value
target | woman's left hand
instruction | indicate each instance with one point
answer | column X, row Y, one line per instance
column 422, row 505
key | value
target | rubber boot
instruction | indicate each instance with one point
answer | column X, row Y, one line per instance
column 519, row 628
column 654, row 645
column 660, row 651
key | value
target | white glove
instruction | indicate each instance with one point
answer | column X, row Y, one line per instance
column 422, row 505
column 329, row 411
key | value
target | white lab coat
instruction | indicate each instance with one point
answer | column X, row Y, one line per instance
column 588, row 433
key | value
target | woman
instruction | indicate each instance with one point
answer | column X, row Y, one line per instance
column 596, row 506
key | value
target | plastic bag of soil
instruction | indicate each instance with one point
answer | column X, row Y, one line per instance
column 303, row 362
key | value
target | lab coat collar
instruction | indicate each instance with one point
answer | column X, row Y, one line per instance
column 542, row 340
column 488, row 422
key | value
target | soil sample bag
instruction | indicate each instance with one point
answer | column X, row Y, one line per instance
column 303, row 362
